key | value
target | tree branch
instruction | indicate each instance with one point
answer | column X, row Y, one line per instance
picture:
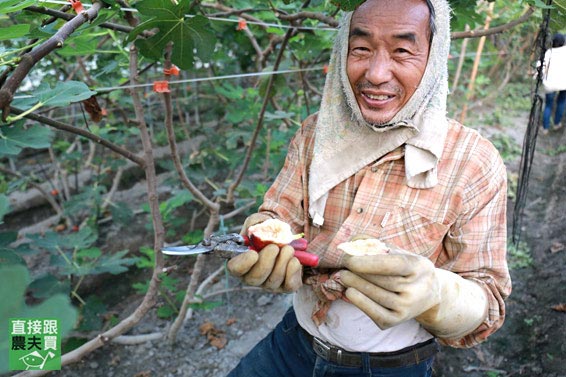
column 187, row 183
column 494, row 30
column 79, row 131
column 247, row 158
column 31, row 58
column 330, row 21
column 68, row 17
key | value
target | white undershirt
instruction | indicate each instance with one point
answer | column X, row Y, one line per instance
column 351, row 329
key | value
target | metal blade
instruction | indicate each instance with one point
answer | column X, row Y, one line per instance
column 186, row 250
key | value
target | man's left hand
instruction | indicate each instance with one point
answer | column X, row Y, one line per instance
column 391, row 288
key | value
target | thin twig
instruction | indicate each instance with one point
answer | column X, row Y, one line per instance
column 212, row 207
column 79, row 131
column 48, row 197
column 494, row 30
column 330, row 21
column 259, row 125
column 66, row 16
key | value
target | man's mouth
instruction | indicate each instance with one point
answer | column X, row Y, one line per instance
column 377, row 97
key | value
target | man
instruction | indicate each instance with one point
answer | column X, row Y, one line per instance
column 380, row 159
column 554, row 82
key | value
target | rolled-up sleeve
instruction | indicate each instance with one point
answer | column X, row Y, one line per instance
column 476, row 245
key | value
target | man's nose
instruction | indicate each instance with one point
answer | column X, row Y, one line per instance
column 379, row 69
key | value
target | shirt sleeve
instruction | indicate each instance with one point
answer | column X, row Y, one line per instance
column 476, row 243
column 286, row 197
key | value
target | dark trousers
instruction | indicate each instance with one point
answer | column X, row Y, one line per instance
column 287, row 352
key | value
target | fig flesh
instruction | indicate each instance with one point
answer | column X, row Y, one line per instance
column 272, row 231
column 364, row 247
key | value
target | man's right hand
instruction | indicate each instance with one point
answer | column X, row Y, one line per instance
column 273, row 268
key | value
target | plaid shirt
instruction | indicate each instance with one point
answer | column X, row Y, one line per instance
column 460, row 224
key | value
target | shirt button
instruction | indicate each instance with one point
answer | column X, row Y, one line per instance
column 374, row 169
column 360, row 210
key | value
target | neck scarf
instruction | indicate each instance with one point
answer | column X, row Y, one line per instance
column 345, row 142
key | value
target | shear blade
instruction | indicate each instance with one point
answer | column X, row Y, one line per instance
column 185, row 250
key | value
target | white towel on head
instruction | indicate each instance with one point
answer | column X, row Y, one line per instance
column 345, row 142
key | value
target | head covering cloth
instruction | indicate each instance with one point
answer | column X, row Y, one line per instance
column 345, row 142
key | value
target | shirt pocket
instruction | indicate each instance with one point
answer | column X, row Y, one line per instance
column 413, row 232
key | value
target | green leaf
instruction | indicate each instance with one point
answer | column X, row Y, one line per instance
column 121, row 213
column 92, row 314
column 165, row 311
column 13, row 283
column 90, row 253
column 147, row 260
column 141, row 288
column 6, row 238
column 347, row 5
column 113, row 264
column 10, row 257
column 187, row 34
column 558, row 15
column 14, row 138
column 14, row 31
column 53, row 242
column 63, row 94
column 4, row 206
column 193, row 237
column 542, row 4
column 9, row 6
column 48, row 285
column 79, row 46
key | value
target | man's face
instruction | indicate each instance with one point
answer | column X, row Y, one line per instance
column 387, row 55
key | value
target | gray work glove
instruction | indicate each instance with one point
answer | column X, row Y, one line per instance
column 273, row 268
column 396, row 287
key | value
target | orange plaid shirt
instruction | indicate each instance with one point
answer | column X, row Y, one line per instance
column 460, row 224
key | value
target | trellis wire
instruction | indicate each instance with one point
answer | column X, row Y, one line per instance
column 529, row 142
column 199, row 79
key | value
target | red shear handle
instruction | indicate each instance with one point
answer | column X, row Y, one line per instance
column 307, row 259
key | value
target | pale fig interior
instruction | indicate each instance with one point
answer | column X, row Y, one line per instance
column 358, row 248
column 273, row 231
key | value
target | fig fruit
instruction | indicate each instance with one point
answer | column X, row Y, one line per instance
column 363, row 247
column 272, row 231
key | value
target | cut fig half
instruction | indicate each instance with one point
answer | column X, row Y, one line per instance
column 272, row 231
column 364, row 247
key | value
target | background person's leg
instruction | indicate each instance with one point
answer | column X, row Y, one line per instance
column 560, row 105
column 548, row 104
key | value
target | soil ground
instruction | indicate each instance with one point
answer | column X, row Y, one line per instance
column 532, row 341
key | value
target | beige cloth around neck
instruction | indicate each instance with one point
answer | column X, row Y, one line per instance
column 345, row 142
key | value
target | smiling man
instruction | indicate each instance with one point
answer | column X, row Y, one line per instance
column 380, row 160
column 385, row 65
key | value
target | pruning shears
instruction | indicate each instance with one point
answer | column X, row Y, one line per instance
column 228, row 246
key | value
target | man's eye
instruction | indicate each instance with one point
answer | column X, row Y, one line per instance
column 360, row 49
